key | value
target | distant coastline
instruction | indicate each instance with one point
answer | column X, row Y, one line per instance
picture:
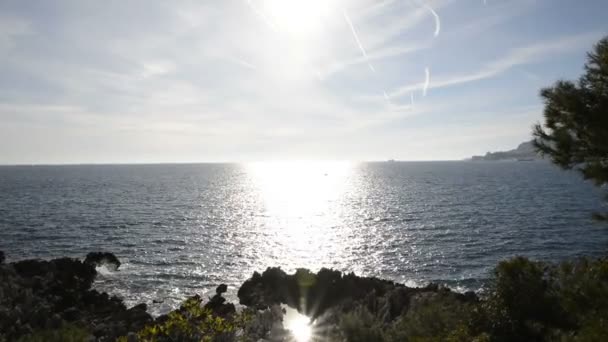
column 524, row 152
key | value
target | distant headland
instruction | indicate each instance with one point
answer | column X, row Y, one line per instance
column 524, row 152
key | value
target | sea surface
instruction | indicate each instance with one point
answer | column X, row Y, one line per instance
column 184, row 229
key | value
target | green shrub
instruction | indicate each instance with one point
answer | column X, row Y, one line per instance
column 543, row 302
column 192, row 323
column 361, row 326
column 68, row 333
column 434, row 317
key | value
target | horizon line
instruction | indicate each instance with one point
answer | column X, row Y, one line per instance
column 230, row 162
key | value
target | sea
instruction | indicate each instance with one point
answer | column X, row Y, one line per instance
column 183, row 229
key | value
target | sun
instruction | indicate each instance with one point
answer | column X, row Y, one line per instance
column 299, row 325
column 298, row 17
column 300, row 329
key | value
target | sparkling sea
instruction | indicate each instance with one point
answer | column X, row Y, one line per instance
column 185, row 228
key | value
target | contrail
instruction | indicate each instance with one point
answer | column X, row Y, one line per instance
column 427, row 80
column 261, row 15
column 412, row 99
column 352, row 29
column 437, row 20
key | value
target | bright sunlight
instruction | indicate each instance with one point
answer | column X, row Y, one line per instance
column 301, row 202
column 299, row 325
column 299, row 17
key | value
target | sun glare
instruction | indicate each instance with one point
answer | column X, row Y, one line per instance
column 301, row 201
column 300, row 17
column 299, row 325
column 299, row 188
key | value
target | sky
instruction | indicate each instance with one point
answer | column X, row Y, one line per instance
column 145, row 81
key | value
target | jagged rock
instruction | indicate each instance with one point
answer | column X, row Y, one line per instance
column 314, row 294
column 39, row 294
column 71, row 314
column 132, row 337
column 303, row 289
column 221, row 289
column 216, row 303
column 102, row 258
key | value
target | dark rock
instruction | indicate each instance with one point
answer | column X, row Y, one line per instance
column 54, row 322
column 38, row 294
column 137, row 317
column 216, row 303
column 65, row 273
column 71, row 314
column 2, row 257
column 304, row 289
column 102, row 258
column 139, row 307
column 221, row 289
column 132, row 337
column 471, row 296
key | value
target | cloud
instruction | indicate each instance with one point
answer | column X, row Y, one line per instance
column 213, row 80
column 515, row 57
column 388, row 52
column 11, row 28
column 427, row 80
column 437, row 20
column 359, row 44
column 399, row 19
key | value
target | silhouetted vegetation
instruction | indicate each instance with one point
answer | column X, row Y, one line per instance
column 575, row 130
column 524, row 301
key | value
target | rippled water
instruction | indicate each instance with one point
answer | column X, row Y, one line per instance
column 183, row 229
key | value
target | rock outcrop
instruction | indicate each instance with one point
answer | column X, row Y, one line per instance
column 525, row 151
column 102, row 258
column 38, row 294
column 314, row 293
column 217, row 304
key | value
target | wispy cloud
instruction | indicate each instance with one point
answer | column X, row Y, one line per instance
column 217, row 81
column 241, row 62
column 380, row 54
column 518, row 56
column 260, row 14
column 359, row 44
column 10, row 29
column 437, row 20
column 427, row 80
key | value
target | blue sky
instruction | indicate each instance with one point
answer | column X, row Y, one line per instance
column 238, row 80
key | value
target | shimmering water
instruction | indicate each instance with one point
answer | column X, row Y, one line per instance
column 183, row 229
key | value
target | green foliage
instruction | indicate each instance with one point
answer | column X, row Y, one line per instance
column 192, row 322
column 361, row 326
column 526, row 301
column 435, row 318
column 68, row 333
column 536, row 301
column 575, row 131
column 520, row 305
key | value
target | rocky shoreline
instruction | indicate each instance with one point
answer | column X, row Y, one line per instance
column 53, row 300
column 40, row 295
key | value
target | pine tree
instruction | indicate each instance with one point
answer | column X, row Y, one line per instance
column 575, row 130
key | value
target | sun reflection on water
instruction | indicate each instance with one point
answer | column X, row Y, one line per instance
column 301, row 202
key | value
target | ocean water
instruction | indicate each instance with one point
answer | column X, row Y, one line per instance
column 184, row 229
